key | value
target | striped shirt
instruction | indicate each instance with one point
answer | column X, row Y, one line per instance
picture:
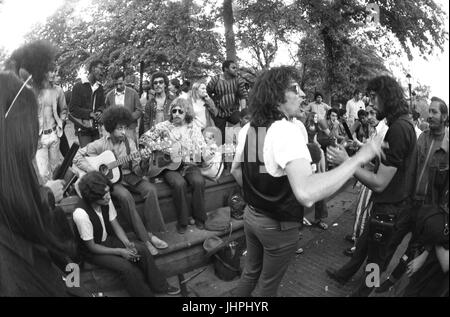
column 226, row 94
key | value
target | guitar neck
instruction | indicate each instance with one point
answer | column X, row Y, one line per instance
column 224, row 149
column 124, row 160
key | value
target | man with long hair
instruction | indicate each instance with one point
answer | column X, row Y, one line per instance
column 431, row 192
column 188, row 137
column 278, row 184
column 34, row 63
column 392, row 182
column 52, row 115
column 116, row 120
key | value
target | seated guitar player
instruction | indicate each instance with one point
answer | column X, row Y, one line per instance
column 182, row 132
column 116, row 120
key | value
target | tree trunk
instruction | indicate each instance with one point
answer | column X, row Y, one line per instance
column 329, row 65
column 228, row 20
column 141, row 77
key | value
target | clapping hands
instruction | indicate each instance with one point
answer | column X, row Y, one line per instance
column 373, row 148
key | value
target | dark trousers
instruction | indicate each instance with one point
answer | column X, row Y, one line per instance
column 142, row 278
column 194, row 178
column 85, row 138
column 320, row 210
column 150, row 219
column 406, row 224
column 358, row 258
column 378, row 252
column 63, row 142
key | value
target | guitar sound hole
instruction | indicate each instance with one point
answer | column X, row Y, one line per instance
column 104, row 170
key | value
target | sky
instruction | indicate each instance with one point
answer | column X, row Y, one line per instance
column 17, row 18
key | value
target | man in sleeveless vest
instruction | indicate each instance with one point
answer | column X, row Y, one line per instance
column 103, row 242
column 273, row 165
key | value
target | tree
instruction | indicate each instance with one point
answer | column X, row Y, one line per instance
column 414, row 24
column 359, row 64
column 261, row 29
column 175, row 37
column 420, row 99
column 3, row 56
column 71, row 35
column 422, row 91
column 228, row 21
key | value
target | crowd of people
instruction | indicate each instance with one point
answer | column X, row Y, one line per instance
column 309, row 150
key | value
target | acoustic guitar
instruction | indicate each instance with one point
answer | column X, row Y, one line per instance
column 107, row 163
column 171, row 160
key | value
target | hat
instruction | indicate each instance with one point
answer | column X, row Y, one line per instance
column 212, row 245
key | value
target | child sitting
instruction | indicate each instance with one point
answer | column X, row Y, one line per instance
column 212, row 168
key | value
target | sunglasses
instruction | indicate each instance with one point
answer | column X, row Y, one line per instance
column 174, row 111
column 158, row 82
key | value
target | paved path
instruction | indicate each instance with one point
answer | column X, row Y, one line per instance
column 306, row 275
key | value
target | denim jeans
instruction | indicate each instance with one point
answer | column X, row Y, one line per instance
column 150, row 220
column 269, row 252
column 179, row 183
column 48, row 155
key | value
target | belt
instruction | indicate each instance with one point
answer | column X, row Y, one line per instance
column 48, row 131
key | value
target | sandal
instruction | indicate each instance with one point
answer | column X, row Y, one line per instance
column 158, row 243
column 322, row 225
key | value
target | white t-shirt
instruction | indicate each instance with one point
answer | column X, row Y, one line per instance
column 120, row 98
column 382, row 128
column 84, row 224
column 285, row 142
column 418, row 131
column 353, row 107
column 199, row 113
